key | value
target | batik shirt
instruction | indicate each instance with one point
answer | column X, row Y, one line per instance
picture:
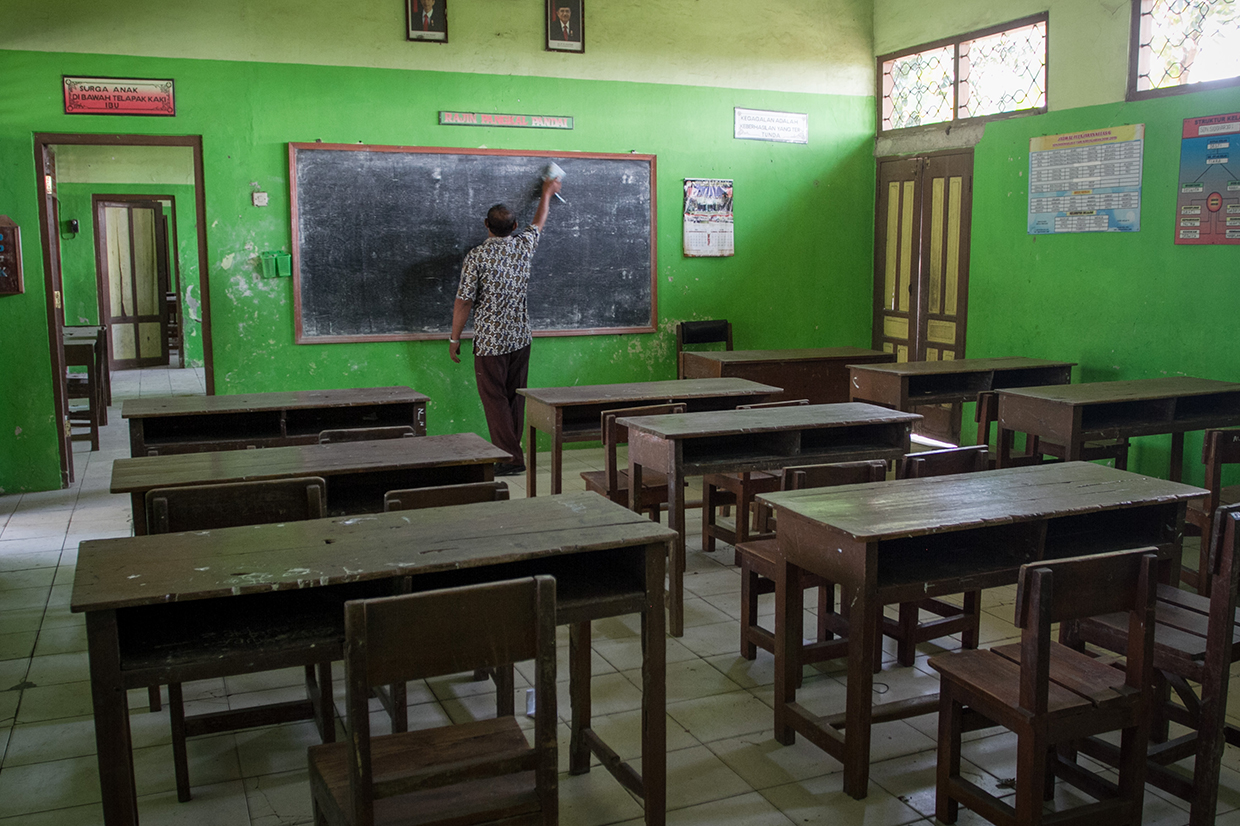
column 496, row 278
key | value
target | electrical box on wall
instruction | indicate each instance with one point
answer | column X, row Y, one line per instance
column 10, row 257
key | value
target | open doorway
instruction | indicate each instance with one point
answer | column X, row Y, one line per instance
column 166, row 309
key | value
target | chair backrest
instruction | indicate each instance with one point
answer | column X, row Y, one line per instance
column 714, row 331
column 366, row 434
column 784, row 403
column 1078, row 587
column 1223, row 565
column 200, row 507
column 443, row 495
column 1219, row 447
column 414, row 636
column 946, row 462
column 617, row 434
column 839, row 473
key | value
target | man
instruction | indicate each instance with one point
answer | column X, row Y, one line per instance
column 563, row 28
column 427, row 18
column 495, row 282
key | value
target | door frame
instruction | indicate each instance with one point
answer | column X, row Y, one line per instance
column 48, row 219
column 97, row 203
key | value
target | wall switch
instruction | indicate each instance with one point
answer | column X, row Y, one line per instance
column 260, row 198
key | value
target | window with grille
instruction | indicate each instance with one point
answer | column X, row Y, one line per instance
column 981, row 74
column 1183, row 45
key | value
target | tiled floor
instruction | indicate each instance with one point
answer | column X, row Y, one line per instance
column 724, row 767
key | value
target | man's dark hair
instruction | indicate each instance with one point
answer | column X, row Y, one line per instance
column 501, row 221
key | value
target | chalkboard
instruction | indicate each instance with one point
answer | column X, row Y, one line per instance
column 379, row 234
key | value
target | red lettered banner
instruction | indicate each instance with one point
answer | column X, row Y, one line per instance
column 118, row 96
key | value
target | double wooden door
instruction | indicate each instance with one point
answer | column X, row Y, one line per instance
column 132, row 251
column 921, row 265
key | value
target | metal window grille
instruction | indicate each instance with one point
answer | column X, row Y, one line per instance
column 1187, row 41
column 974, row 75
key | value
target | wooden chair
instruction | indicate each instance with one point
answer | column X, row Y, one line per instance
column 693, row 333
column 366, row 434
column 909, row 630
column 1196, row 640
column 221, row 506
column 723, row 490
column 986, row 413
column 439, row 496
column 759, row 563
column 1219, row 448
column 1050, row 695
column 613, row 482
column 87, row 386
column 476, row 772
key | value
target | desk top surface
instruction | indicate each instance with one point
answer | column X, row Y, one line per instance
column 804, row 354
column 646, row 391
column 147, row 570
column 146, row 472
column 941, row 504
column 151, row 406
column 1101, row 392
column 766, row 420
column 957, row 366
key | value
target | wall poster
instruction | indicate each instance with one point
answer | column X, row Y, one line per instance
column 708, row 218
column 1207, row 204
column 1086, row 181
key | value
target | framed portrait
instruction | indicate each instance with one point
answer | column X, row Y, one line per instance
column 428, row 20
column 565, row 26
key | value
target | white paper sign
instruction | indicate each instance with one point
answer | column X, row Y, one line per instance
column 761, row 125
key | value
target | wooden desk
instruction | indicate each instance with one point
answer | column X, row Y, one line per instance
column 83, row 350
column 905, row 386
column 1077, row 413
column 819, row 374
column 358, row 474
column 185, row 606
column 899, row 541
column 729, row 441
column 98, row 335
column 193, row 424
column 573, row 414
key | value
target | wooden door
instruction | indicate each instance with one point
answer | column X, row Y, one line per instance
column 921, row 267
column 132, row 259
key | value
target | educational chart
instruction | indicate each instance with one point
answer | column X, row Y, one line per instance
column 1207, row 206
column 708, row 218
column 1086, row 181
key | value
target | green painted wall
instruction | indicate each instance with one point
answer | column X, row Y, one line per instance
column 77, row 256
column 1124, row 306
column 801, row 276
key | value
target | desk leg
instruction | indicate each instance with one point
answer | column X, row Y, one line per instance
column 531, row 469
column 137, row 504
column 579, row 696
column 1003, row 445
column 676, row 562
column 112, row 737
column 1177, row 457
column 654, row 691
column 557, row 462
column 789, row 618
column 864, row 619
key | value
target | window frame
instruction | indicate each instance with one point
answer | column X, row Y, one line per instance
column 1134, row 67
column 955, row 41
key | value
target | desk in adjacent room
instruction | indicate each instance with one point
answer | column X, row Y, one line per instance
column 573, row 414
column 358, row 474
column 729, row 441
column 909, row 384
column 192, row 424
column 192, row 605
column 903, row 540
column 819, row 374
column 1078, row 413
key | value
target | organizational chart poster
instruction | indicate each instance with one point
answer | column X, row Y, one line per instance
column 1086, row 181
column 1207, row 204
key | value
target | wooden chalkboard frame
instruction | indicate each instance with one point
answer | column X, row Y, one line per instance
column 302, row 338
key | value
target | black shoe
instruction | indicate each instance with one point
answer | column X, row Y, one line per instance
column 508, row 469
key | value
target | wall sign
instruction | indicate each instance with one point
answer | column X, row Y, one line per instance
column 118, row 96
column 760, row 125
column 1207, row 205
column 515, row 121
column 1086, row 181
